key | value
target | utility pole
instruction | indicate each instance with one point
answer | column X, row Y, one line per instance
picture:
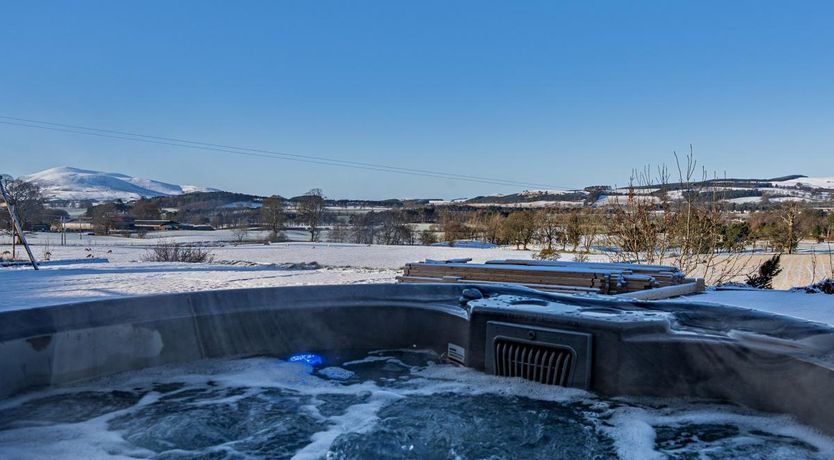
column 16, row 223
column 63, row 232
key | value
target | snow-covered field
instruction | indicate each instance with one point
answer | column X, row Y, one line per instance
column 797, row 269
column 221, row 245
column 260, row 265
column 22, row 288
column 235, row 266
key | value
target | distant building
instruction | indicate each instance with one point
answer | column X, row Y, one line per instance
column 122, row 223
column 155, row 225
column 203, row 227
column 76, row 225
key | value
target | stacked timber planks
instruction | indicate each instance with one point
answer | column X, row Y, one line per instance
column 665, row 275
column 574, row 277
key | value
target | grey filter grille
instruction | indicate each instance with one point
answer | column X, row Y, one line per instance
column 546, row 364
column 548, row 356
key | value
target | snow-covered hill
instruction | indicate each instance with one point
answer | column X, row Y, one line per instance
column 66, row 183
column 739, row 191
column 809, row 182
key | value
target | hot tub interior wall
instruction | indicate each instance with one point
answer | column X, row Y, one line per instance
column 62, row 344
column 75, row 342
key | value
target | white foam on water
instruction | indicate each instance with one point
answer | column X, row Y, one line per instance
column 633, row 429
column 435, row 379
column 88, row 440
column 375, row 359
column 337, row 373
column 358, row 418
column 631, row 424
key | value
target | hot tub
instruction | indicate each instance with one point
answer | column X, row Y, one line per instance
column 422, row 371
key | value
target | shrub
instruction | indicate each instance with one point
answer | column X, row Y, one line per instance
column 427, row 237
column 825, row 286
column 581, row 257
column 172, row 252
column 764, row 279
column 547, row 254
column 277, row 237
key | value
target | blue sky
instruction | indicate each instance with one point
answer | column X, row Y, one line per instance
column 561, row 93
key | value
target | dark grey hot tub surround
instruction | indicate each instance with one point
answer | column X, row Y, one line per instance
column 639, row 348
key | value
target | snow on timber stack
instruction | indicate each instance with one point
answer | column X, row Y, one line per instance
column 554, row 276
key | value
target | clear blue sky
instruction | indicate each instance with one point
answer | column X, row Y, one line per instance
column 563, row 93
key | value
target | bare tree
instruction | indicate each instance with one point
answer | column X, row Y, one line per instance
column 105, row 216
column 428, row 237
column 788, row 232
column 521, row 228
column 311, row 212
column 28, row 201
column 339, row 233
column 145, row 209
column 240, row 231
column 494, row 229
column 687, row 231
column 573, row 228
column 549, row 228
column 272, row 214
column 633, row 227
column 590, row 229
column 453, row 226
column 395, row 230
column 363, row 228
column 829, row 227
column 829, row 222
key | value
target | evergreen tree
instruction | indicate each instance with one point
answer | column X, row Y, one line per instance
column 769, row 269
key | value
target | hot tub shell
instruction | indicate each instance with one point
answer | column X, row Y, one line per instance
column 659, row 349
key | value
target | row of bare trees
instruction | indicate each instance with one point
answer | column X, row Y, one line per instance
column 391, row 227
column 310, row 211
column 574, row 229
column 689, row 224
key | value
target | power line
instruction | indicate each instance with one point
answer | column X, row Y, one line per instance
column 270, row 156
column 184, row 143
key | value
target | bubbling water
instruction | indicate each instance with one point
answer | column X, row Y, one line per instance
column 384, row 404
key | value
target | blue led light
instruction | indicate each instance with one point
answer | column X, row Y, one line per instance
column 308, row 358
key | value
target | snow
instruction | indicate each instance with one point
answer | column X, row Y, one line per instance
column 808, row 266
column 68, row 183
column 546, row 192
column 260, row 265
column 243, row 205
column 816, row 182
column 123, row 250
column 794, row 303
column 786, row 199
column 236, row 266
column 22, row 288
column 468, row 244
column 528, row 204
column 745, row 199
column 621, row 200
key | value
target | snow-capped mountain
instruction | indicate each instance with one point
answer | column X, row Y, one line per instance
column 72, row 184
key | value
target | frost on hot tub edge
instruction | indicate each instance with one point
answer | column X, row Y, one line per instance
column 633, row 348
